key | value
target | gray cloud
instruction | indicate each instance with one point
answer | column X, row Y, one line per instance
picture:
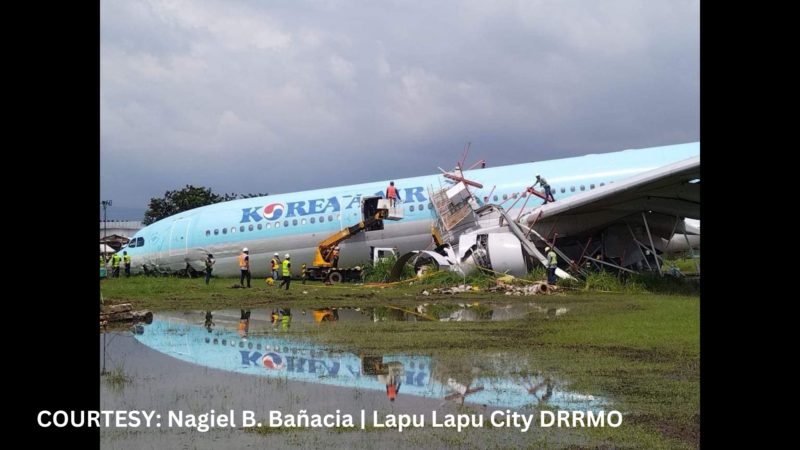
column 289, row 95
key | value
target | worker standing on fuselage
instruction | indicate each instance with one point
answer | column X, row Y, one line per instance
column 244, row 266
column 548, row 196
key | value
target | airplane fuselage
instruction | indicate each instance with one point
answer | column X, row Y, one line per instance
column 294, row 223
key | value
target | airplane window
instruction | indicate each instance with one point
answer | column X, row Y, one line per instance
column 258, row 226
column 495, row 198
column 241, row 228
column 224, row 231
column 485, row 199
column 303, row 222
column 563, row 190
column 277, row 224
column 208, row 232
column 312, row 220
column 583, row 188
column 572, row 188
column 233, row 230
column 216, row 231
column 285, row 223
column 250, row 227
column 224, row 342
column 602, row 184
column 591, row 186
column 258, row 346
column 132, row 242
column 505, row 196
column 330, row 218
column 421, row 206
column 294, row 222
column 430, row 205
column 321, row 219
column 216, row 341
column 411, row 208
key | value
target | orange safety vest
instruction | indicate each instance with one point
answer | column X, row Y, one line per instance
column 391, row 192
column 244, row 264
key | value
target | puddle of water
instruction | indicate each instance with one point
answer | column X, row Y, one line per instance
column 195, row 362
column 230, row 344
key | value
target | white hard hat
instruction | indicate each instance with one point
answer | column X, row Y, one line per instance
column 286, row 255
column 276, row 253
column 245, row 249
column 547, row 249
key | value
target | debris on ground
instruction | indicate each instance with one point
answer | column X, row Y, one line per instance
column 123, row 313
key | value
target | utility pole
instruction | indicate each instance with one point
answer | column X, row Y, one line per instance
column 106, row 204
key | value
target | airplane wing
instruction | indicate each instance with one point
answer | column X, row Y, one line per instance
column 657, row 200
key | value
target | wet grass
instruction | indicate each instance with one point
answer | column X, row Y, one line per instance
column 117, row 378
column 639, row 349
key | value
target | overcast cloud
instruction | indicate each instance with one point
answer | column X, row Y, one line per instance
column 280, row 96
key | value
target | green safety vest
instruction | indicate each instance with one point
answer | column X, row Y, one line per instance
column 102, row 261
column 286, row 271
column 127, row 259
column 115, row 261
column 553, row 258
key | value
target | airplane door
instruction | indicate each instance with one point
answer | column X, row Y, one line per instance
column 179, row 237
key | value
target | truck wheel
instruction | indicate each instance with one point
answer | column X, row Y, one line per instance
column 335, row 277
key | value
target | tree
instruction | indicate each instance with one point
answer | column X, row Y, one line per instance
column 185, row 199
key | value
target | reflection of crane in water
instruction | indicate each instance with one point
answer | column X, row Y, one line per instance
column 461, row 391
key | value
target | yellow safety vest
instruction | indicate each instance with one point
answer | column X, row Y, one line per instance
column 127, row 259
column 115, row 261
column 286, row 271
column 102, row 261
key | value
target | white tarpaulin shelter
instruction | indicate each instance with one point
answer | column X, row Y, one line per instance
column 105, row 248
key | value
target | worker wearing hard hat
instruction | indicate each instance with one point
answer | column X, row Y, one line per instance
column 275, row 266
column 244, row 267
column 286, row 272
column 552, row 264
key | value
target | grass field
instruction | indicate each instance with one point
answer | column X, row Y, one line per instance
column 634, row 345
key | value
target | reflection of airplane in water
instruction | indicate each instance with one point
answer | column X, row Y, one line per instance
column 277, row 355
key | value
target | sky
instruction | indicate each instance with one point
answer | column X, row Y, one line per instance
column 276, row 96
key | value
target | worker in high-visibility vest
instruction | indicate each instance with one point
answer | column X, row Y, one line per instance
column 286, row 272
column 126, row 259
column 552, row 265
column 115, row 265
column 275, row 265
column 392, row 193
column 244, row 266
column 102, row 261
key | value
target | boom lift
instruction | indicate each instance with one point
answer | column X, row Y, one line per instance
column 374, row 210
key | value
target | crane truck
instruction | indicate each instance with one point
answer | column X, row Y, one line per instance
column 325, row 266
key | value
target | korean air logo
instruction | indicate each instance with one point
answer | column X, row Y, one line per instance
column 273, row 211
column 273, row 361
